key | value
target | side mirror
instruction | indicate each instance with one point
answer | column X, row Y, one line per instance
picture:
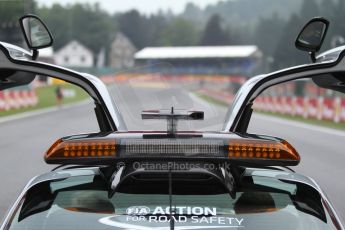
column 36, row 33
column 311, row 37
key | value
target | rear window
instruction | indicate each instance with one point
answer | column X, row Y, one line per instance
column 83, row 203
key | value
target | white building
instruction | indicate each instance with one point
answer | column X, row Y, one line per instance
column 46, row 55
column 74, row 54
column 121, row 52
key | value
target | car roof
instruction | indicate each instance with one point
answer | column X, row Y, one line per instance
column 330, row 55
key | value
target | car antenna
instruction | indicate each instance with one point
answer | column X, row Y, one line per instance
column 172, row 210
column 172, row 116
column 172, row 123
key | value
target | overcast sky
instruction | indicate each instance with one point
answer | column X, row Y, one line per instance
column 146, row 6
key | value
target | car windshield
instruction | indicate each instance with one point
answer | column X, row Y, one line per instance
column 82, row 202
column 163, row 86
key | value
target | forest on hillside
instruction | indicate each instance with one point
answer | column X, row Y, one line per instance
column 272, row 25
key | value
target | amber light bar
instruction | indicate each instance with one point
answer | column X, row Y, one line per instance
column 108, row 151
column 262, row 150
column 79, row 150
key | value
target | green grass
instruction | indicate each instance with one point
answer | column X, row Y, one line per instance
column 46, row 98
column 324, row 123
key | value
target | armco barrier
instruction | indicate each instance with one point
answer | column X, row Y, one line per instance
column 15, row 99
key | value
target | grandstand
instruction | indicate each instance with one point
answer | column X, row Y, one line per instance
column 220, row 60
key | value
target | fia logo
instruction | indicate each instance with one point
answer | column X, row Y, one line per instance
column 138, row 210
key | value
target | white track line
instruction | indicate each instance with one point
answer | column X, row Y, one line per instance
column 42, row 111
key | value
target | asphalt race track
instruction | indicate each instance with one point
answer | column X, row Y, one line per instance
column 24, row 141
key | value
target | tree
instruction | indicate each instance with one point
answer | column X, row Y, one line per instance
column 179, row 32
column 335, row 14
column 267, row 34
column 214, row 33
column 132, row 25
column 10, row 12
column 309, row 10
column 86, row 23
column 154, row 25
column 286, row 54
column 193, row 13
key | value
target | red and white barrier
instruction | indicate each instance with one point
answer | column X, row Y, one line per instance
column 318, row 108
column 15, row 99
column 2, row 101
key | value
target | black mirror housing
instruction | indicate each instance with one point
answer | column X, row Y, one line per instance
column 36, row 33
column 312, row 35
